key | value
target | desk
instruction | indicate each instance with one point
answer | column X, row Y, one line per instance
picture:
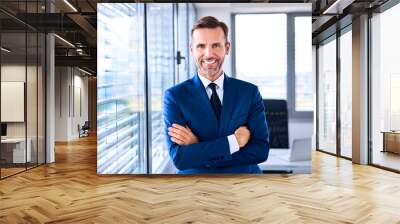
column 279, row 161
column 15, row 148
column 391, row 141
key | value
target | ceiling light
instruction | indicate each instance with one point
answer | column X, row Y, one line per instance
column 84, row 71
column 65, row 41
column 5, row 50
column 337, row 7
column 70, row 5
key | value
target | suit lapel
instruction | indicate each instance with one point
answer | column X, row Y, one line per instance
column 202, row 100
column 227, row 105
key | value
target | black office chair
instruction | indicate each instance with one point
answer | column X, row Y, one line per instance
column 84, row 130
column 276, row 113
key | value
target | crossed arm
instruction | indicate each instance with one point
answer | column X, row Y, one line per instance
column 184, row 136
column 188, row 152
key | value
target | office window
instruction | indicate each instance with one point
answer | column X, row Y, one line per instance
column 303, row 64
column 130, row 121
column 346, row 94
column 327, row 96
column 385, row 88
column 280, row 64
column 261, row 58
column 120, row 83
column 161, row 72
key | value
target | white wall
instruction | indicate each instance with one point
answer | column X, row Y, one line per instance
column 33, row 125
column 70, row 84
column 81, row 94
column 61, row 103
column 17, row 73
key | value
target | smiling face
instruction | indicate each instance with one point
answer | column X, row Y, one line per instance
column 208, row 48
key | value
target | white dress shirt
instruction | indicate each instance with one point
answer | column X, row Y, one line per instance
column 233, row 144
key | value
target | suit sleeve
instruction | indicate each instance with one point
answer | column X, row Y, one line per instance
column 257, row 149
column 199, row 155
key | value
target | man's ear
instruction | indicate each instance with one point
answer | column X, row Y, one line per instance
column 191, row 48
column 227, row 47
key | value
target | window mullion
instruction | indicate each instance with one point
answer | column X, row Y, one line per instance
column 290, row 78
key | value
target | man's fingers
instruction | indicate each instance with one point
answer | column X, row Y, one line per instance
column 178, row 131
column 179, row 127
column 177, row 136
column 177, row 141
column 182, row 134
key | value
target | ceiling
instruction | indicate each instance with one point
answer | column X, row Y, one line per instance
column 75, row 21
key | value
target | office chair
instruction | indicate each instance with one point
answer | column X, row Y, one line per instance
column 84, row 130
column 276, row 113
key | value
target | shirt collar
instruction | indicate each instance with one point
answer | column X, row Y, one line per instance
column 219, row 82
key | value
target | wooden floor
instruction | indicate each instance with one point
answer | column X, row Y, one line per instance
column 10, row 171
column 70, row 191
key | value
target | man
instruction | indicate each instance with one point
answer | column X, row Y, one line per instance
column 214, row 123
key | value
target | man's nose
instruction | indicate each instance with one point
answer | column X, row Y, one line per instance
column 208, row 52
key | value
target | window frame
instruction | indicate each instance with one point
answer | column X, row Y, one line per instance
column 334, row 36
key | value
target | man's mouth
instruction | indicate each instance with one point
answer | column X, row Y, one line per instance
column 209, row 61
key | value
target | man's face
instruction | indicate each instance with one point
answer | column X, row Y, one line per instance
column 208, row 48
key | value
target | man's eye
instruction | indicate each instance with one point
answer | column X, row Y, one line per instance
column 216, row 45
column 200, row 46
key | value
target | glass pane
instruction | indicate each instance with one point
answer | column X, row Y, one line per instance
column 346, row 94
column 385, row 86
column 13, row 86
column 303, row 64
column 327, row 97
column 161, row 72
column 32, row 89
column 31, row 101
column 261, row 57
column 41, row 91
column 120, row 102
column 41, row 98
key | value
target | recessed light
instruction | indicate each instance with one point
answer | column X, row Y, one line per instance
column 5, row 50
column 70, row 5
column 64, row 40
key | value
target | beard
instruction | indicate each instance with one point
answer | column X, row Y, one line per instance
column 210, row 66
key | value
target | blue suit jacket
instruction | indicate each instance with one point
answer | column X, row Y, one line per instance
column 187, row 104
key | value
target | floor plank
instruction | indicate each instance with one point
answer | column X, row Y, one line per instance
column 70, row 191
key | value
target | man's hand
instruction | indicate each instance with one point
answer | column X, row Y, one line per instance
column 242, row 135
column 182, row 135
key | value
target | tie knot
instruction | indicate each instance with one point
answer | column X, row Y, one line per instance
column 213, row 86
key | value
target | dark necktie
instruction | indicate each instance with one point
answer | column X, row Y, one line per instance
column 215, row 101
